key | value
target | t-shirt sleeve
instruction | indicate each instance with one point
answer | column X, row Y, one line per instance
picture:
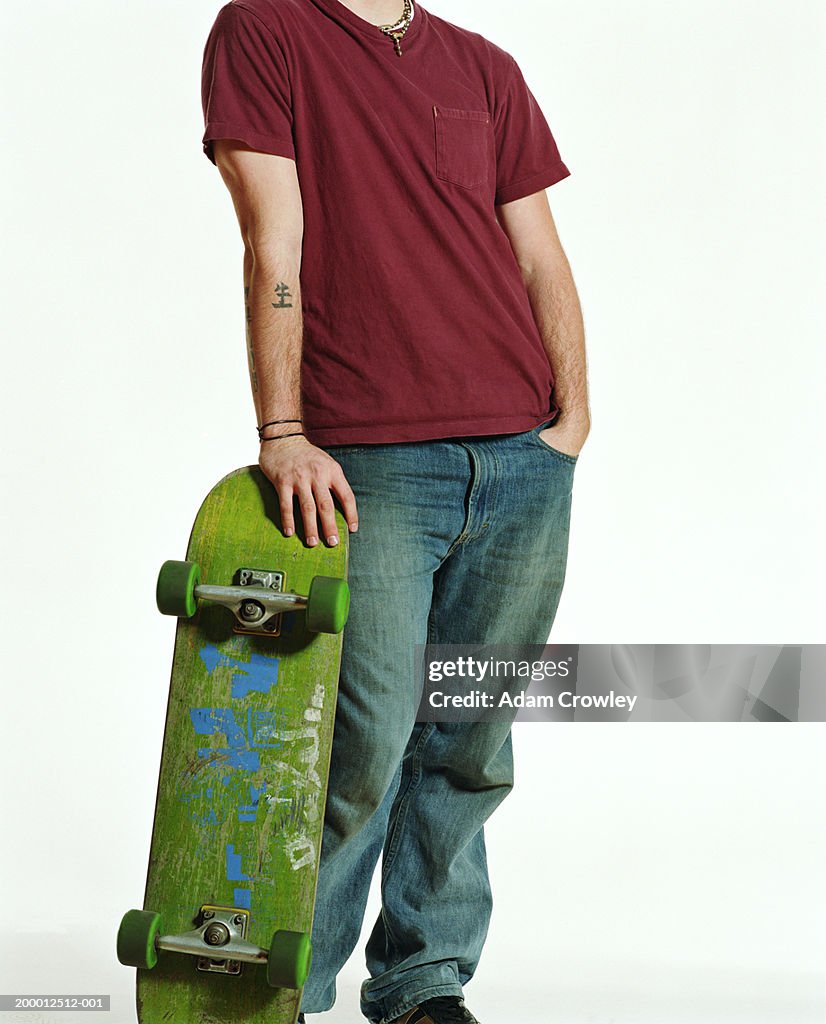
column 245, row 85
column 527, row 158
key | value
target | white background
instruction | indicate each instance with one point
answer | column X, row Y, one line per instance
column 642, row 873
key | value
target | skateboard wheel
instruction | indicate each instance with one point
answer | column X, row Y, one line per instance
column 289, row 961
column 175, row 592
column 136, row 938
column 327, row 605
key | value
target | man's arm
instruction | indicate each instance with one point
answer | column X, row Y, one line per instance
column 267, row 200
column 547, row 275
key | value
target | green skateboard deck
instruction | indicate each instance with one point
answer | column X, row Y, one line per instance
column 224, row 933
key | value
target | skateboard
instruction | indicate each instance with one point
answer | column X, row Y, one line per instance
column 224, row 933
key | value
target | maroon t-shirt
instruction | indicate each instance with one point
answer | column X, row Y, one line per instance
column 417, row 323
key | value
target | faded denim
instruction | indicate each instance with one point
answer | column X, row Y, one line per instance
column 460, row 541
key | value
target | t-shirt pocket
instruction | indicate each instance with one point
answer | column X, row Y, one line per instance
column 464, row 146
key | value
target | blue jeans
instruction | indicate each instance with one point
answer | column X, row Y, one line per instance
column 460, row 541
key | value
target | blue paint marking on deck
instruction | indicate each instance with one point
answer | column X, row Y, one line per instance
column 249, row 812
column 242, row 898
column 234, row 872
column 207, row 721
column 263, row 727
column 258, row 675
column 211, row 657
column 245, row 760
column 237, row 753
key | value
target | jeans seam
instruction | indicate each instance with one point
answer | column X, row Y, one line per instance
column 486, row 466
column 497, row 480
column 463, row 534
column 415, row 778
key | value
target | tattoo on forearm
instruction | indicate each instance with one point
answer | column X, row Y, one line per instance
column 250, row 353
column 283, row 293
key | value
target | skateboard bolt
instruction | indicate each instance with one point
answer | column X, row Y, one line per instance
column 208, row 914
column 238, row 919
column 217, row 934
column 251, row 611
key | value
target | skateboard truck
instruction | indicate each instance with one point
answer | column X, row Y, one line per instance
column 219, row 944
column 222, row 931
column 257, row 600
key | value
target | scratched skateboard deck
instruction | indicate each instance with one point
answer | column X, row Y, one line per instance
column 243, row 778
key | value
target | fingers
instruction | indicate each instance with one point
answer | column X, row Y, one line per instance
column 306, row 503
column 298, row 471
column 326, row 513
column 342, row 490
column 335, row 485
column 285, row 501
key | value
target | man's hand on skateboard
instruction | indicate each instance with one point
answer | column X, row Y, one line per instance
column 297, row 469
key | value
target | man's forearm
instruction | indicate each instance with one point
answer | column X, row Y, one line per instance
column 558, row 314
column 274, row 329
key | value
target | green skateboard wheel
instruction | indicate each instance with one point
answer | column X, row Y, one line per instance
column 327, row 605
column 175, row 592
column 289, row 961
column 136, row 938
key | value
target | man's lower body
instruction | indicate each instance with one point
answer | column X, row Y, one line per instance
column 459, row 542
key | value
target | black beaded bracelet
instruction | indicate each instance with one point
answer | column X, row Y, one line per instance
column 273, row 423
column 280, row 437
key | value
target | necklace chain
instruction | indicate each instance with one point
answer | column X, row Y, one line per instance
column 397, row 30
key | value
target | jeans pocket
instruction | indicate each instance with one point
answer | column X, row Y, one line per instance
column 464, row 146
column 570, row 460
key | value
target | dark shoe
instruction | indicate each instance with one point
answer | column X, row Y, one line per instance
column 301, row 1018
column 438, row 1010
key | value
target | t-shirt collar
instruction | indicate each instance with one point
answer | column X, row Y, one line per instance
column 345, row 16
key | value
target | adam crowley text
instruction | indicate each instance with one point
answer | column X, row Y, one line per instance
column 566, row 699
